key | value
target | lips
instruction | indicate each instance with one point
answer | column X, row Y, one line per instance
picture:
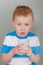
column 22, row 32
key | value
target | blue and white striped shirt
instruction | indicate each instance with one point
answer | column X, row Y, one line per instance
column 12, row 40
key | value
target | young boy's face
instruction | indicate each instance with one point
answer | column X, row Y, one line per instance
column 23, row 25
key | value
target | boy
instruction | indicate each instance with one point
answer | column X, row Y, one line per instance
column 21, row 47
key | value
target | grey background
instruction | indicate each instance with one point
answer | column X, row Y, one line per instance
column 6, row 10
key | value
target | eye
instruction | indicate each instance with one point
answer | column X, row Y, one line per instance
column 19, row 24
column 26, row 24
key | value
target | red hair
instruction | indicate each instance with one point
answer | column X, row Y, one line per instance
column 22, row 11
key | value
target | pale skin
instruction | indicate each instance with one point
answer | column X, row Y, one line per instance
column 22, row 25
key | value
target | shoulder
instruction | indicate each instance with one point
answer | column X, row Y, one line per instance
column 34, row 39
column 10, row 39
column 11, row 33
column 31, row 34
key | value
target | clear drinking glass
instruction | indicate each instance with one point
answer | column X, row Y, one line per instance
column 24, row 42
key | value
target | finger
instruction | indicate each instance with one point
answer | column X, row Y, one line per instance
column 18, row 46
column 28, row 46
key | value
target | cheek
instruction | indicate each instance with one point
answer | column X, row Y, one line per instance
column 17, row 28
column 28, row 28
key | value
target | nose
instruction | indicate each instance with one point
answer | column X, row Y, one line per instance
column 22, row 27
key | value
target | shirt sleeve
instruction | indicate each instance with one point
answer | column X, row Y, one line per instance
column 37, row 50
column 5, row 46
column 36, row 47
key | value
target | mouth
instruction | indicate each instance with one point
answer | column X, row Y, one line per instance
column 22, row 33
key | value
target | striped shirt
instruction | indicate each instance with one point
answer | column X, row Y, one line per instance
column 12, row 40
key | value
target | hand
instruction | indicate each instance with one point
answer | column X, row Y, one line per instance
column 28, row 50
column 18, row 49
column 15, row 50
column 21, row 49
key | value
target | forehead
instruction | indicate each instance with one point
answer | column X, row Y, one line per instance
column 23, row 19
